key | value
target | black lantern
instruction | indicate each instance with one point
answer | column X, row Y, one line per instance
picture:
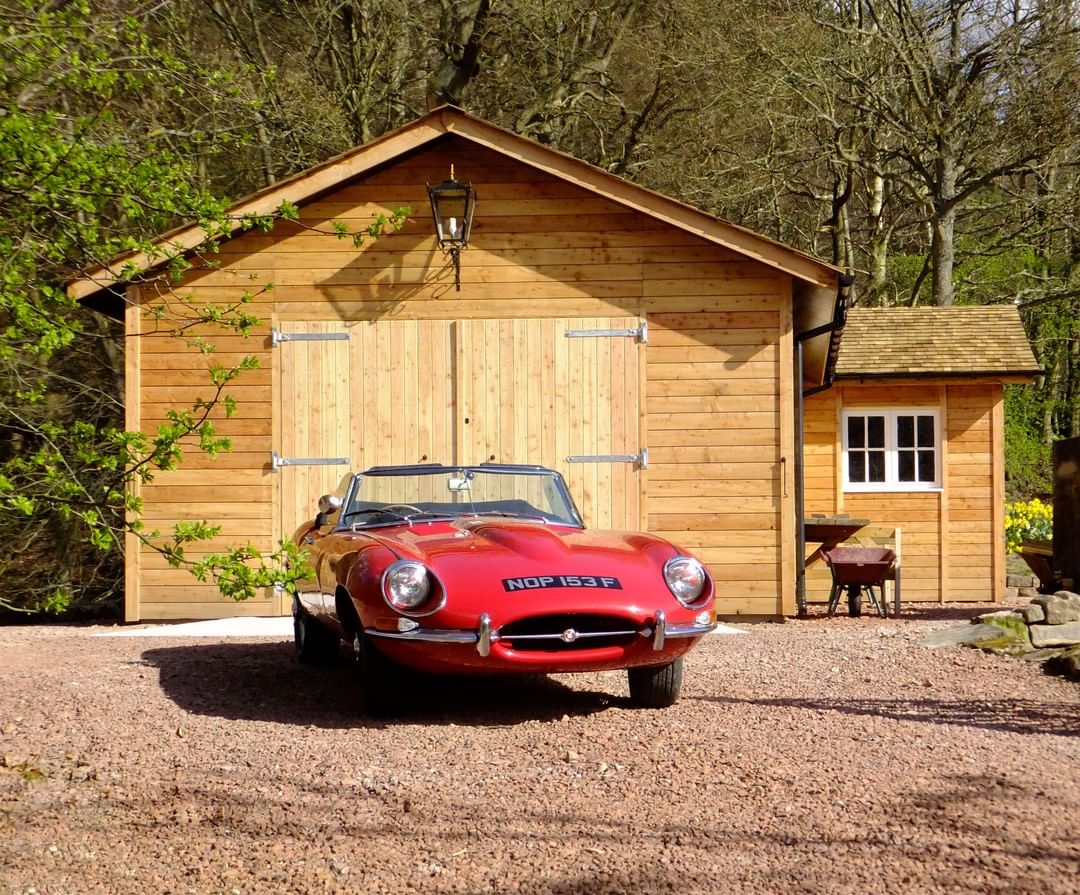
column 452, row 207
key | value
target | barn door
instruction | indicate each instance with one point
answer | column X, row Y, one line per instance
column 314, row 416
column 563, row 393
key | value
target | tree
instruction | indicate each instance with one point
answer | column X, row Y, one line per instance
column 81, row 183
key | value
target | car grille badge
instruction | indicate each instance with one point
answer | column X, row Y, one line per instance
column 568, row 636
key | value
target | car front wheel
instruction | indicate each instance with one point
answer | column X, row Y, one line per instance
column 656, row 687
column 315, row 645
column 379, row 677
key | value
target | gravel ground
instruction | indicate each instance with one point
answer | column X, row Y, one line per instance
column 827, row 755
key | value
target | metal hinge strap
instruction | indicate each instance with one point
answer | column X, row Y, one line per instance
column 277, row 337
column 276, row 462
column 641, row 333
column 640, row 460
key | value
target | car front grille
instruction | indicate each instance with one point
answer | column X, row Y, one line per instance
column 568, row 632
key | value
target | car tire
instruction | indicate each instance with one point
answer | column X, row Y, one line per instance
column 854, row 602
column 379, row 677
column 656, row 687
column 315, row 645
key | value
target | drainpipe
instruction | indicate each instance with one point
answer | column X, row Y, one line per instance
column 834, row 327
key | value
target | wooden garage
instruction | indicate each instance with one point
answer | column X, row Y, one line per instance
column 911, row 438
column 643, row 348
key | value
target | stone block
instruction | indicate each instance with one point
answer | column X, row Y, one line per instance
column 1028, row 592
column 1011, row 593
column 1060, row 608
column 1032, row 613
column 965, row 634
column 1019, row 581
column 1055, row 635
column 991, row 618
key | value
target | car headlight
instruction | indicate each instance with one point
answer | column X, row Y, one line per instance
column 407, row 584
column 685, row 578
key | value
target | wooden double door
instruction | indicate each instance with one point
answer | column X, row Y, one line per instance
column 564, row 393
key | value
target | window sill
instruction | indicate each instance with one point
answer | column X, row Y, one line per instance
column 891, row 489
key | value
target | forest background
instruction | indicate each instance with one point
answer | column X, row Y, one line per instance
column 930, row 147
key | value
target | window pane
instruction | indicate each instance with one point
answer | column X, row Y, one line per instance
column 875, row 426
column 855, row 432
column 906, row 466
column 926, row 431
column 877, row 466
column 926, row 466
column 905, row 431
column 857, row 467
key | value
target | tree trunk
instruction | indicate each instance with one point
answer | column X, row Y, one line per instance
column 942, row 254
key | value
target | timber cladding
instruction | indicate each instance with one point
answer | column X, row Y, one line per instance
column 952, row 535
column 407, row 369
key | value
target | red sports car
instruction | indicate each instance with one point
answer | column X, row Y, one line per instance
column 489, row 569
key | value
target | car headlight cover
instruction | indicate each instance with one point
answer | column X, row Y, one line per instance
column 407, row 584
column 685, row 578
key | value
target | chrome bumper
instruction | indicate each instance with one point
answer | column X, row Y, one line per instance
column 658, row 631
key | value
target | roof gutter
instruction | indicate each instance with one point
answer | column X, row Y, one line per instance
column 835, row 328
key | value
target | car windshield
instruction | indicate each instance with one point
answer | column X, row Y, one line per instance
column 390, row 496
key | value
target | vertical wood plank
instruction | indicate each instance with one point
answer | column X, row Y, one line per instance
column 943, row 514
column 997, row 509
column 637, row 415
column 276, row 496
column 786, row 485
column 838, row 448
column 133, row 423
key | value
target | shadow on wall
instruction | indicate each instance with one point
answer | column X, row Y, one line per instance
column 1005, row 715
column 264, row 682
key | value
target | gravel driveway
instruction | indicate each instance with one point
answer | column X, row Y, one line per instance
column 828, row 755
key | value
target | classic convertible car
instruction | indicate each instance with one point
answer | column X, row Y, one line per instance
column 489, row 569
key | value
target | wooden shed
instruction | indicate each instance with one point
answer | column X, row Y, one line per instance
column 642, row 347
column 911, row 437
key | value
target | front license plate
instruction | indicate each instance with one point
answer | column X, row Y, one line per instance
column 539, row 582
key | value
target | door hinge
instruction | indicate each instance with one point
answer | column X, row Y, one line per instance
column 277, row 462
column 640, row 460
column 641, row 333
column 277, row 337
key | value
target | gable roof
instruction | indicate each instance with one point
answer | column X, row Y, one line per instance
column 976, row 340
column 446, row 120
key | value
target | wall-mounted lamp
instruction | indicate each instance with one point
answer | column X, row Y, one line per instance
column 452, row 207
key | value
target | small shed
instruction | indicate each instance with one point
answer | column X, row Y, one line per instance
column 911, row 437
column 642, row 347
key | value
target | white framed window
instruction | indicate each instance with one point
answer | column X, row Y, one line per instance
column 892, row 450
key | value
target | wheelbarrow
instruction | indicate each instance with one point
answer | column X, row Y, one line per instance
column 858, row 569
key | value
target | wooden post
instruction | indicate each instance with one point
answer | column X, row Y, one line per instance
column 943, row 498
column 133, row 423
column 785, row 482
column 997, row 506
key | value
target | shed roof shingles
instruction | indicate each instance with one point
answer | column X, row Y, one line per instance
column 970, row 340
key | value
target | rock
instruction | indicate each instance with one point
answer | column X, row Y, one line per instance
column 1055, row 635
column 1041, row 655
column 1028, row 592
column 1011, row 593
column 1032, row 613
column 1060, row 608
column 1018, row 581
column 1066, row 662
column 959, row 636
column 991, row 618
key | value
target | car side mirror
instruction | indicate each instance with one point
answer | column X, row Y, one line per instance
column 327, row 506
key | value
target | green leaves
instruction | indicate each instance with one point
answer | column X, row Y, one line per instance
column 241, row 572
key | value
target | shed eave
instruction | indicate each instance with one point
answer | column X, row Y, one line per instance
column 1011, row 376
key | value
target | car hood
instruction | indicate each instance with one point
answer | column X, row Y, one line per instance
column 508, row 547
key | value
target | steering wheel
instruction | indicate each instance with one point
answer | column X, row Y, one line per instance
column 401, row 506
